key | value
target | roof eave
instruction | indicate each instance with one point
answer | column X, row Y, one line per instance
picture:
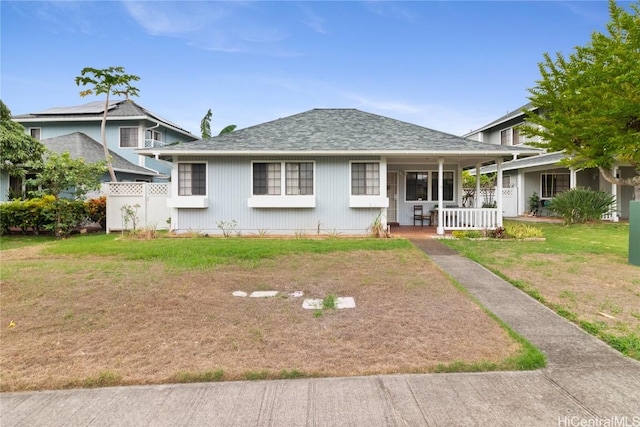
column 430, row 153
column 95, row 119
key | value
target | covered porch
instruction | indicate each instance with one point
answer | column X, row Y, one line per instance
column 426, row 194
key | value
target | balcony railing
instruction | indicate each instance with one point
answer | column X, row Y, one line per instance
column 153, row 143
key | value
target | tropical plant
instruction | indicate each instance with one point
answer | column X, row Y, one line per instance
column 110, row 81
column 581, row 205
column 205, row 126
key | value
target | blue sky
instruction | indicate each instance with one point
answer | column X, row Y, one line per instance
column 451, row 66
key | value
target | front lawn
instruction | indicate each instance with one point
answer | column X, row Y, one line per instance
column 581, row 271
column 100, row 310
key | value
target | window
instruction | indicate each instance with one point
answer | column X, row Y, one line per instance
column 554, row 184
column 417, row 185
column 35, row 133
column 511, row 136
column 447, row 186
column 192, row 179
column 128, row 137
column 268, row 179
column 152, row 135
column 506, row 181
column 365, row 179
column 299, row 178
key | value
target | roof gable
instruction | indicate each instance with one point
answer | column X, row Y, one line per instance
column 79, row 145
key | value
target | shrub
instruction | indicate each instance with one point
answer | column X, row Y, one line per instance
column 42, row 214
column 522, row 231
column 467, row 234
column 581, row 205
column 97, row 211
column 497, row 233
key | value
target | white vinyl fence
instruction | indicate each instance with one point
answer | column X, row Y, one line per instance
column 140, row 202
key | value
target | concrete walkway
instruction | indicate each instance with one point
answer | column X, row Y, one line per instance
column 586, row 384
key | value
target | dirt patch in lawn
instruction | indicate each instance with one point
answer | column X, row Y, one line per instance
column 80, row 321
column 588, row 285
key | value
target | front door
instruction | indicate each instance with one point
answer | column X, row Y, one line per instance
column 392, row 194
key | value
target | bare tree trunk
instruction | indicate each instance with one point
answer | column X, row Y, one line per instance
column 103, row 132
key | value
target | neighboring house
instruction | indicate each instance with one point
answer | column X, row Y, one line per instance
column 129, row 126
column 79, row 145
column 544, row 175
column 326, row 171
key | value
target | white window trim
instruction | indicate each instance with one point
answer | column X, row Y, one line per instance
column 137, row 128
column 39, row 130
column 282, row 200
column 430, row 198
column 509, row 131
column 542, row 174
column 177, row 201
column 365, row 200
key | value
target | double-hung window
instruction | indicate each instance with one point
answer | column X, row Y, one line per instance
column 365, row 179
column 282, row 185
column 368, row 181
column 192, row 179
column 128, row 137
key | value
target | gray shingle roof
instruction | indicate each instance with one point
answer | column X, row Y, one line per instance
column 79, row 145
column 116, row 109
column 336, row 130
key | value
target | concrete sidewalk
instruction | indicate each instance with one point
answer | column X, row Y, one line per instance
column 586, row 384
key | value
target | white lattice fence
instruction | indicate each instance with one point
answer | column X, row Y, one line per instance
column 148, row 201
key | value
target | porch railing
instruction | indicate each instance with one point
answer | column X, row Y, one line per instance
column 469, row 218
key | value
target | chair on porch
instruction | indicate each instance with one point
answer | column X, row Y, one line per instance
column 419, row 215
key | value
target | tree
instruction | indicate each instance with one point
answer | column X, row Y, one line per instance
column 205, row 126
column 110, row 81
column 58, row 173
column 16, row 147
column 589, row 103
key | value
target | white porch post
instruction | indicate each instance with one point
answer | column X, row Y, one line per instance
column 572, row 178
column 476, row 203
column 614, row 193
column 499, row 191
column 440, row 229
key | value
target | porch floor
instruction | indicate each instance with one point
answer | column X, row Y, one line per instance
column 415, row 232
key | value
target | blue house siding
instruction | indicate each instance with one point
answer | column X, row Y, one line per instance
column 230, row 187
column 4, row 186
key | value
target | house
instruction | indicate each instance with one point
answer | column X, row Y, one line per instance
column 326, row 171
column 79, row 145
column 129, row 126
column 544, row 175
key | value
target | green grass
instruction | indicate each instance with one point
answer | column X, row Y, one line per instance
column 573, row 243
column 187, row 253
column 22, row 241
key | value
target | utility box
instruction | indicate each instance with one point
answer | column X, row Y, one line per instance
column 634, row 232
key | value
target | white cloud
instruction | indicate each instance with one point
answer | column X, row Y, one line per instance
column 234, row 27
